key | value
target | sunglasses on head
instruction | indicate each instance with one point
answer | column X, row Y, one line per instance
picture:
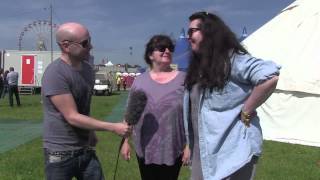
column 164, row 47
column 85, row 43
column 192, row 30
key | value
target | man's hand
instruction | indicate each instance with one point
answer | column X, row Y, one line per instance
column 122, row 129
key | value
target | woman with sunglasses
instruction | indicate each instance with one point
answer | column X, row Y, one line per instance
column 225, row 85
column 159, row 135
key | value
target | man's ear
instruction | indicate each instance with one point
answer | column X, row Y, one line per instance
column 64, row 46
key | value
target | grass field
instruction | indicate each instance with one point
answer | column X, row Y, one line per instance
column 280, row 161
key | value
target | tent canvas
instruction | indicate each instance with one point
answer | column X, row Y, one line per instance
column 109, row 63
column 292, row 40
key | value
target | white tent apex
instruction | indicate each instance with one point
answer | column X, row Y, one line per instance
column 109, row 63
column 182, row 33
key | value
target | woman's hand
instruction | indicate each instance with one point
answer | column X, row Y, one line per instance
column 125, row 150
column 186, row 156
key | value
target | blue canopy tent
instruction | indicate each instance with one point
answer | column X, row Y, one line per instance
column 244, row 34
column 181, row 55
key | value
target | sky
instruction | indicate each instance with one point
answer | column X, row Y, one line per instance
column 115, row 26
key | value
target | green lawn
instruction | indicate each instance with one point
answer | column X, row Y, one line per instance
column 279, row 161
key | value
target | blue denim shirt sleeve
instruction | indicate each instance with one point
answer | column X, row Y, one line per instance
column 251, row 70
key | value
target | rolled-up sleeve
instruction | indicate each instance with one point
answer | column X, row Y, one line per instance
column 253, row 71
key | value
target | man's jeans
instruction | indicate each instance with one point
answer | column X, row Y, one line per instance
column 83, row 166
column 13, row 89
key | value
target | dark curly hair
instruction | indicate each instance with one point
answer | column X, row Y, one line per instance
column 156, row 41
column 211, row 65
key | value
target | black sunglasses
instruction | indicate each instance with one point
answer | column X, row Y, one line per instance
column 162, row 48
column 84, row 43
column 192, row 30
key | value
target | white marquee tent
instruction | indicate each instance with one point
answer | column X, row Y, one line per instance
column 292, row 39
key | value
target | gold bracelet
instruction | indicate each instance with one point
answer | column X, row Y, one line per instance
column 245, row 117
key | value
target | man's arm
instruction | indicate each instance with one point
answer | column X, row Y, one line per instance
column 66, row 105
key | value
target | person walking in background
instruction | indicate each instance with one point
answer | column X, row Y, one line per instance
column 124, row 83
column 159, row 137
column 1, row 82
column 12, row 79
column 69, row 139
column 118, row 81
column 225, row 85
column 5, row 84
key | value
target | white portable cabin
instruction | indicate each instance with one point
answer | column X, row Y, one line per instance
column 29, row 64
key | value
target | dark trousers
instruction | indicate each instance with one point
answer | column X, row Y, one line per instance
column 85, row 166
column 159, row 172
column 247, row 172
column 1, row 90
column 4, row 91
column 13, row 89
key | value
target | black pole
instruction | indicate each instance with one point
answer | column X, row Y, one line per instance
column 51, row 24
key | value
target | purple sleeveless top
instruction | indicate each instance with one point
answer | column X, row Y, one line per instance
column 159, row 135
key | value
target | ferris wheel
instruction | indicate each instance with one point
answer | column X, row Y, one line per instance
column 36, row 36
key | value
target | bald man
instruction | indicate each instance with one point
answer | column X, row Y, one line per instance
column 69, row 139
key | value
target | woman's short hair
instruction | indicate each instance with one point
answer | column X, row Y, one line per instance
column 154, row 42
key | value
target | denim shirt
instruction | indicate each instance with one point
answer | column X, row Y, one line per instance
column 225, row 143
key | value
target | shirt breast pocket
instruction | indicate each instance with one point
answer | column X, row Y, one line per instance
column 221, row 100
